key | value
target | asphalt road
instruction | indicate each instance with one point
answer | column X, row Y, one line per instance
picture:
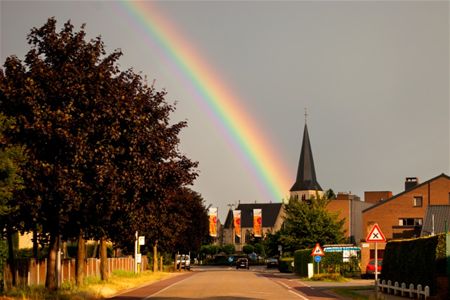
column 228, row 283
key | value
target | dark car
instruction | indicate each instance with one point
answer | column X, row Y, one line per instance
column 242, row 263
column 272, row 262
column 370, row 268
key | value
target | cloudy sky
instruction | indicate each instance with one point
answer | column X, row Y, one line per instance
column 374, row 77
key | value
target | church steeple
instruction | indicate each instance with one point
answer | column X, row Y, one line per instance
column 306, row 184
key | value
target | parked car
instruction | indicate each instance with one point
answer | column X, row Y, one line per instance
column 272, row 262
column 184, row 260
column 370, row 268
column 242, row 263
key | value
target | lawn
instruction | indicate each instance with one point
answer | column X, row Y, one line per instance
column 92, row 289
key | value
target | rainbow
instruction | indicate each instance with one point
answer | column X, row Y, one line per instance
column 213, row 95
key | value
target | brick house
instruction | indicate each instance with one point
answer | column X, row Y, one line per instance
column 403, row 215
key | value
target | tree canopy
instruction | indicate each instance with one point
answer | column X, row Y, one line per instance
column 11, row 159
column 307, row 223
column 101, row 148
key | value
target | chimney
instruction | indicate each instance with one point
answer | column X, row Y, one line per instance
column 411, row 182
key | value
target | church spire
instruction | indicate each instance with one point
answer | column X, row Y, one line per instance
column 306, row 173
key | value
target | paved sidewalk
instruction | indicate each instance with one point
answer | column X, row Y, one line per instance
column 362, row 286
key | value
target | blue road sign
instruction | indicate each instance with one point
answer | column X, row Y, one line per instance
column 317, row 258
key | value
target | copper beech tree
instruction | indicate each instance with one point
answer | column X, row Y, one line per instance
column 101, row 149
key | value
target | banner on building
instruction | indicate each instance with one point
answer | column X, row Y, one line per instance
column 257, row 222
column 212, row 221
column 237, row 222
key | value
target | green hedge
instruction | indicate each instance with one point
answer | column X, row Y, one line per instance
column 285, row 264
column 301, row 260
column 416, row 261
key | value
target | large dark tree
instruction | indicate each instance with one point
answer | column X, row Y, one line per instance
column 101, row 148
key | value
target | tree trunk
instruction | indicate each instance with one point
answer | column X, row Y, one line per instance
column 11, row 257
column 81, row 251
column 35, row 245
column 50, row 281
column 155, row 257
column 94, row 252
column 103, row 260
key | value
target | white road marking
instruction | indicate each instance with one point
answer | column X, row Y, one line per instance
column 292, row 291
column 166, row 288
column 297, row 294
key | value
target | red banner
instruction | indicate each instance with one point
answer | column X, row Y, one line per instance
column 213, row 221
column 257, row 222
column 237, row 222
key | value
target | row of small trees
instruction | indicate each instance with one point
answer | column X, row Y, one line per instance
column 89, row 152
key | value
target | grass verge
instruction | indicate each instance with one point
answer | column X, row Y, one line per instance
column 328, row 277
column 356, row 293
column 92, row 289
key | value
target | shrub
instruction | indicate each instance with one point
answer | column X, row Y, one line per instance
column 228, row 249
column 416, row 261
column 328, row 277
column 248, row 249
column 301, row 260
column 285, row 264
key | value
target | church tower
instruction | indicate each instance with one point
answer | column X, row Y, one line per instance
column 306, row 184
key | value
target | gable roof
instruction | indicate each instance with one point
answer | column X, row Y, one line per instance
column 441, row 215
column 407, row 191
column 270, row 212
column 306, row 174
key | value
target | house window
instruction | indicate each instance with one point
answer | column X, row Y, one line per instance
column 417, row 201
column 410, row 222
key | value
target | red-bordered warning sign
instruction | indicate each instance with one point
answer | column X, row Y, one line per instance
column 317, row 251
column 375, row 235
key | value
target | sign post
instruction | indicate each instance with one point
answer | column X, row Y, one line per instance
column 317, row 253
column 375, row 235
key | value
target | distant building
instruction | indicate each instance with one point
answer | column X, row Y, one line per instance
column 349, row 207
column 272, row 219
column 306, row 185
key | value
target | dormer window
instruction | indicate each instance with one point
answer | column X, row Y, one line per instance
column 417, row 201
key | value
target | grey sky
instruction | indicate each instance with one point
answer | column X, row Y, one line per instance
column 373, row 75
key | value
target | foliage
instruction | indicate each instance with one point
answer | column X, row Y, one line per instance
column 328, row 277
column 301, row 260
column 329, row 194
column 209, row 249
column 103, row 158
column 259, row 249
column 412, row 261
column 91, row 289
column 11, row 159
column 333, row 262
column 285, row 264
column 188, row 218
column 248, row 249
column 271, row 242
column 308, row 222
column 3, row 257
column 228, row 249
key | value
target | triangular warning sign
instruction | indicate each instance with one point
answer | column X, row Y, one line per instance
column 317, row 251
column 375, row 235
